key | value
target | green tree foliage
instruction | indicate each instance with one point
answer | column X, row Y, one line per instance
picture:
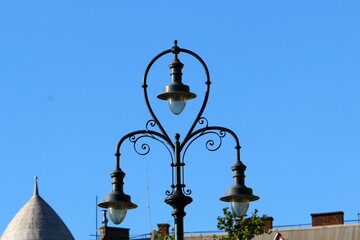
column 241, row 228
column 159, row 236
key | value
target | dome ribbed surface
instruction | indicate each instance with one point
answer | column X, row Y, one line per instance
column 36, row 220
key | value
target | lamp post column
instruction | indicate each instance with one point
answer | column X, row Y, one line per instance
column 177, row 199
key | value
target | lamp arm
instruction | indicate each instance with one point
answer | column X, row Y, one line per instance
column 136, row 135
column 211, row 130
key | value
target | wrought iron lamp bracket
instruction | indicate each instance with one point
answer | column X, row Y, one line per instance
column 178, row 197
column 211, row 144
column 134, row 138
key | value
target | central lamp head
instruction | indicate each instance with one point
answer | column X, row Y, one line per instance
column 176, row 93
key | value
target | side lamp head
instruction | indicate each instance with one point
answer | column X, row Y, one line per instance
column 239, row 199
column 117, row 202
column 239, row 195
column 117, row 205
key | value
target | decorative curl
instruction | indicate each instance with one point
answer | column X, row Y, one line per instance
column 187, row 192
column 213, row 145
column 144, row 148
column 169, row 193
column 222, row 133
column 203, row 121
column 150, row 124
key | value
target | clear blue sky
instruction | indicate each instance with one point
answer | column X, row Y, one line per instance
column 285, row 78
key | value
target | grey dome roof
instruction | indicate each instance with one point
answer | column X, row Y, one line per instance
column 36, row 220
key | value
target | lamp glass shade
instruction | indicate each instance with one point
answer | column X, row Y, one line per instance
column 117, row 215
column 177, row 104
column 239, row 208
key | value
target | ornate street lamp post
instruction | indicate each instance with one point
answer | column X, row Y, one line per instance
column 177, row 93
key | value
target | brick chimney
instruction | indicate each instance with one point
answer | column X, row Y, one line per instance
column 111, row 233
column 268, row 223
column 330, row 218
column 163, row 229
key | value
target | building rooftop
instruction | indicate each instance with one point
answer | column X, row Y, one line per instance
column 325, row 226
column 331, row 232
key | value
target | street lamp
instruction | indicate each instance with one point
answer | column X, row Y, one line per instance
column 177, row 93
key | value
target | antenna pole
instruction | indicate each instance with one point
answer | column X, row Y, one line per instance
column 96, row 219
column 148, row 198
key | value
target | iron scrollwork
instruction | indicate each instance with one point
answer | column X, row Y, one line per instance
column 211, row 144
column 145, row 148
